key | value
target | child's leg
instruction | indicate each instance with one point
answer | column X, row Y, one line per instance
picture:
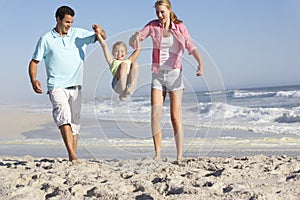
column 122, row 76
column 133, row 77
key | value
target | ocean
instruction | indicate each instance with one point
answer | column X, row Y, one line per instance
column 219, row 123
column 267, row 110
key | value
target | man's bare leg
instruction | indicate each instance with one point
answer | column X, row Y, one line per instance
column 68, row 138
column 75, row 139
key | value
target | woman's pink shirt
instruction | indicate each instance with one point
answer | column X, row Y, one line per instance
column 180, row 33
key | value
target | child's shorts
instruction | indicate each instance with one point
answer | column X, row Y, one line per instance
column 167, row 80
column 115, row 84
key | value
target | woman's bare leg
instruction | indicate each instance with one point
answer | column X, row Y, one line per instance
column 157, row 100
column 175, row 109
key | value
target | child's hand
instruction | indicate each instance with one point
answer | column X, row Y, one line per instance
column 99, row 37
column 134, row 40
column 98, row 30
column 137, row 40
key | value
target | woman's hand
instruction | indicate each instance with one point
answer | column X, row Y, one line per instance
column 133, row 40
column 200, row 70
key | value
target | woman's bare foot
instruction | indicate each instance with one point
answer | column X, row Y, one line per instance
column 157, row 156
column 179, row 158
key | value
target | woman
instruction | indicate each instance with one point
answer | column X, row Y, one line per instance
column 170, row 37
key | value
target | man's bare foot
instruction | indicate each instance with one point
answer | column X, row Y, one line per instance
column 76, row 162
column 73, row 158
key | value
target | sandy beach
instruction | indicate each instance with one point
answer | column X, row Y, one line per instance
column 35, row 168
column 15, row 120
column 251, row 177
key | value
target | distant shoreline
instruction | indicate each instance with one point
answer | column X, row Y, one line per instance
column 42, row 138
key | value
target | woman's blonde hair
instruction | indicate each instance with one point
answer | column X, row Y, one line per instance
column 168, row 5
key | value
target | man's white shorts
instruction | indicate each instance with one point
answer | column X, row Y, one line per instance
column 66, row 105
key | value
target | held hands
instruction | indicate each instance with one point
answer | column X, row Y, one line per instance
column 134, row 40
column 99, row 37
column 98, row 30
column 138, row 41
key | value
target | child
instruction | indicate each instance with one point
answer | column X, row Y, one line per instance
column 125, row 71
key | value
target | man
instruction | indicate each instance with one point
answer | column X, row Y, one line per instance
column 63, row 51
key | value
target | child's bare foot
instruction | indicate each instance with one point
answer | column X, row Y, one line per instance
column 130, row 91
column 122, row 96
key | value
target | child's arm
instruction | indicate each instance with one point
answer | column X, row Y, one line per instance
column 106, row 51
column 135, row 54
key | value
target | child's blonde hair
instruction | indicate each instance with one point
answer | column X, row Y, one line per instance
column 119, row 43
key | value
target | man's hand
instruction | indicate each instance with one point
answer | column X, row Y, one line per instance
column 36, row 85
column 98, row 30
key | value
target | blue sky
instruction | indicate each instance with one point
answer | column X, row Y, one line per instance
column 250, row 43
